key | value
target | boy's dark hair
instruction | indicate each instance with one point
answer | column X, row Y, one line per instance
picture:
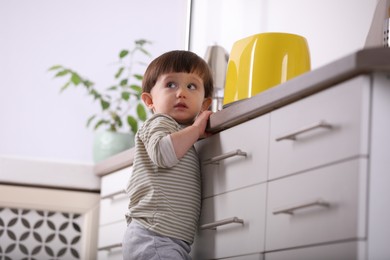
column 178, row 61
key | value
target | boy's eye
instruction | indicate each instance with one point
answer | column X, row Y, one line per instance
column 191, row 86
column 171, row 85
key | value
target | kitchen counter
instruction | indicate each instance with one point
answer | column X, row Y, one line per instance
column 361, row 62
column 48, row 174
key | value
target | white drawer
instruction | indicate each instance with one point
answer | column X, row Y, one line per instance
column 237, row 171
column 232, row 239
column 341, row 251
column 113, row 209
column 115, row 183
column 345, row 108
column 111, row 254
column 247, row 257
column 111, row 234
column 297, row 214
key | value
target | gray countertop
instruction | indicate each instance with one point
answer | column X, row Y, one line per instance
column 361, row 62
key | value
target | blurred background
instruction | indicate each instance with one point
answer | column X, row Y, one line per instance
column 37, row 122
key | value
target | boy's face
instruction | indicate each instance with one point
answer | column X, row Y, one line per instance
column 179, row 95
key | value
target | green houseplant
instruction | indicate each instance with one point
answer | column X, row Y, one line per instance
column 121, row 108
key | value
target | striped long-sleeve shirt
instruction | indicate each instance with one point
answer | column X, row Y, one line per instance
column 164, row 198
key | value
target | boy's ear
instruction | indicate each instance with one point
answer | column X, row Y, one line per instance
column 147, row 99
column 206, row 104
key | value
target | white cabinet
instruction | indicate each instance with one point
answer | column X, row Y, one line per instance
column 114, row 201
column 319, row 194
column 344, row 250
column 379, row 177
column 113, row 206
column 308, row 180
column 323, row 128
column 324, row 205
column 234, row 173
column 318, row 164
column 46, row 223
column 235, row 158
column 232, row 224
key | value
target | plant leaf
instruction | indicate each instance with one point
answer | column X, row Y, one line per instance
column 118, row 121
column 112, row 88
column 75, row 79
column 88, row 83
column 123, row 82
column 133, row 124
column 119, row 72
column 138, row 76
column 67, row 84
column 55, row 67
column 136, row 88
column 141, row 112
column 101, row 122
column 140, row 42
column 90, row 119
column 126, row 95
column 95, row 94
column 145, row 52
column 105, row 105
column 123, row 53
column 62, row 73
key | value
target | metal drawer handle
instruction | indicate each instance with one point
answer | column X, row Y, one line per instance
column 109, row 247
column 216, row 159
column 293, row 135
column 218, row 223
column 290, row 210
column 112, row 195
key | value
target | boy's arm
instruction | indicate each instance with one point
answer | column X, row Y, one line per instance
column 183, row 140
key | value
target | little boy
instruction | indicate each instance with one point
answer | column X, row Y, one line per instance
column 164, row 188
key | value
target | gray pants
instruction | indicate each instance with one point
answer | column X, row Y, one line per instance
column 142, row 244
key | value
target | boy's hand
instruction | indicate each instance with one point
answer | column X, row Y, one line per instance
column 182, row 140
column 201, row 123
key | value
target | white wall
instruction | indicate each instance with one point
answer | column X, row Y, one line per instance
column 333, row 28
column 36, row 121
column 223, row 22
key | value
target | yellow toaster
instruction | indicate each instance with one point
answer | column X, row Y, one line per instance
column 264, row 60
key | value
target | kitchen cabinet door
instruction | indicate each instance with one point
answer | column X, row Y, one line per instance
column 355, row 250
column 114, row 200
column 113, row 207
column 232, row 224
column 329, row 126
column 235, row 158
column 325, row 205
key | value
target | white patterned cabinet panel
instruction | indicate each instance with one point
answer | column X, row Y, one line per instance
column 232, row 224
column 45, row 223
column 235, row 158
column 328, row 126
column 325, row 205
